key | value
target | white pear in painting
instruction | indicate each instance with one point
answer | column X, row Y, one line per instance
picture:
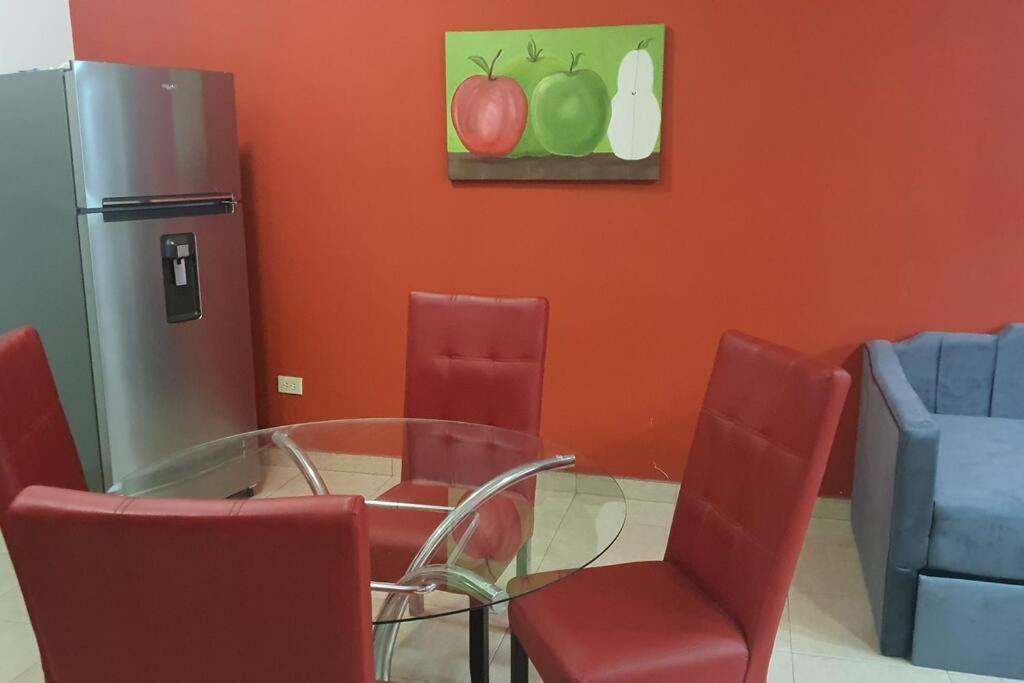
column 636, row 115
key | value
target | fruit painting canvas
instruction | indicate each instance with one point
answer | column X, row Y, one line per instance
column 555, row 104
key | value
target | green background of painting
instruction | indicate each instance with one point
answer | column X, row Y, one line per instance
column 603, row 48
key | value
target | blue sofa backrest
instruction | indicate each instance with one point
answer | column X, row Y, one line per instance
column 967, row 374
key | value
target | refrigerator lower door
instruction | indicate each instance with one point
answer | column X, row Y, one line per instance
column 167, row 382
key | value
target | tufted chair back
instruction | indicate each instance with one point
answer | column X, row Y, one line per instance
column 146, row 589
column 35, row 441
column 758, row 455
column 472, row 359
column 967, row 374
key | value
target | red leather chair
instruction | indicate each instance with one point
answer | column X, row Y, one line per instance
column 710, row 610
column 129, row 589
column 476, row 359
column 35, row 442
column 468, row 359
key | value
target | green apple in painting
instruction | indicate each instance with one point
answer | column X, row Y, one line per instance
column 528, row 72
column 569, row 111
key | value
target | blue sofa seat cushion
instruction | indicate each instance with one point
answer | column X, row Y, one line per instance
column 978, row 520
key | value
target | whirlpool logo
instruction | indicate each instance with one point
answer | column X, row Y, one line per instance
column 168, row 86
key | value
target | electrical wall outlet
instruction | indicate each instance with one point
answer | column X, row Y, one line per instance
column 289, row 385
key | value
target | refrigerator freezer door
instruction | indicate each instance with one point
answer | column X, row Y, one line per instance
column 164, row 386
column 145, row 131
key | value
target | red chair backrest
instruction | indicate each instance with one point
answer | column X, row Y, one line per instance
column 194, row 590
column 472, row 359
column 759, row 453
column 35, row 442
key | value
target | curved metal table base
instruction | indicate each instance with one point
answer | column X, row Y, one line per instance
column 419, row 574
column 301, row 460
column 386, row 635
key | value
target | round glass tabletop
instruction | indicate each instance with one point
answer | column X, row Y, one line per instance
column 460, row 515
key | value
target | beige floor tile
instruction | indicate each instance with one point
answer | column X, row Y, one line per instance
column 780, row 670
column 830, row 569
column 499, row 618
column 274, row 478
column 348, row 483
column 549, row 511
column 33, row 674
column 501, row 663
column 561, row 482
column 8, row 579
column 589, row 525
column 17, row 649
column 386, row 484
column 364, row 464
column 437, row 650
column 340, row 462
column 636, row 543
column 648, row 512
column 832, row 508
column 783, row 639
column 599, row 516
column 813, row 669
column 598, row 485
column 552, row 504
column 832, row 626
column 12, row 606
column 649, row 489
column 834, row 531
column 355, row 483
column 558, row 496
column 579, row 541
column 272, row 456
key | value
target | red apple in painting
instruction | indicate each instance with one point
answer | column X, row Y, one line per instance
column 489, row 112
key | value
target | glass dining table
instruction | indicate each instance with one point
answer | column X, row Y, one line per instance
column 457, row 511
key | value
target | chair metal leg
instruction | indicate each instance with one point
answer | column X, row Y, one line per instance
column 479, row 648
column 247, row 492
column 520, row 662
column 523, row 559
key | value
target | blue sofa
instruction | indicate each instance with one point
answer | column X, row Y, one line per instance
column 938, row 498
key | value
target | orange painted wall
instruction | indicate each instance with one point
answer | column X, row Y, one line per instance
column 833, row 172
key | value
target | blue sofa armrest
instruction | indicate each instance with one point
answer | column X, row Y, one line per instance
column 893, row 493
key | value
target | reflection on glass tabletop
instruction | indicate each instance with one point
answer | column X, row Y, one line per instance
column 456, row 510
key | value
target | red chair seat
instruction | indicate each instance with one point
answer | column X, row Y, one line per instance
column 398, row 534
column 637, row 622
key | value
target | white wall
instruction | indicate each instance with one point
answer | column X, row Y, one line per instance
column 34, row 34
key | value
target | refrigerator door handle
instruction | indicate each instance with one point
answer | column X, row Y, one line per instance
column 168, row 200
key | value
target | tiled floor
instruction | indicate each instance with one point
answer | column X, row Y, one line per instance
column 826, row 635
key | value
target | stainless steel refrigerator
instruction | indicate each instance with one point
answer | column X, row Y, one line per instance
column 121, row 240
